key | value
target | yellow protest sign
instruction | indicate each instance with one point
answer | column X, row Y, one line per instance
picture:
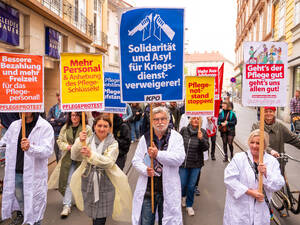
column 199, row 98
column 81, row 82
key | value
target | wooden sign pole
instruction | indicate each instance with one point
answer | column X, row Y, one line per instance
column 151, row 141
column 111, row 117
column 23, row 126
column 83, row 127
column 261, row 146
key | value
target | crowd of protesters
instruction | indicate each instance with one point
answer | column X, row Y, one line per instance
column 90, row 163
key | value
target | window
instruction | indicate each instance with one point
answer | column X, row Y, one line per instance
column 281, row 18
column 297, row 12
column 269, row 16
column 54, row 5
column 261, row 28
column 296, row 79
column 97, row 21
column 80, row 15
column 116, row 54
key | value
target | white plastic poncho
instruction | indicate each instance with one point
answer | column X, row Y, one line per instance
column 35, row 173
column 171, row 159
column 240, row 208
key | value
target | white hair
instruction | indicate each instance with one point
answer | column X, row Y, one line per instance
column 162, row 109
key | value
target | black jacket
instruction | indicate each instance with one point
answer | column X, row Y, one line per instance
column 136, row 117
column 231, row 119
column 194, row 147
column 121, row 132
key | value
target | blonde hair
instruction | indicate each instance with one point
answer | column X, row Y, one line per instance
column 200, row 120
column 255, row 133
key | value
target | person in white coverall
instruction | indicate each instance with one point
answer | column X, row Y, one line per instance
column 245, row 205
column 168, row 153
column 26, row 169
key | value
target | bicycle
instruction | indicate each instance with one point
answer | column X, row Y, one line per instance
column 285, row 199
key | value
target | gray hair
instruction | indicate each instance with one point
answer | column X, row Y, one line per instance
column 162, row 109
column 256, row 133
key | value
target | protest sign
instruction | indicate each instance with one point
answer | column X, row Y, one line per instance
column 81, row 82
column 151, row 45
column 220, row 86
column 210, row 72
column 200, row 96
column 112, row 93
column 264, row 74
column 22, row 83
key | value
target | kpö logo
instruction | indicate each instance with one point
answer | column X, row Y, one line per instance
column 153, row 98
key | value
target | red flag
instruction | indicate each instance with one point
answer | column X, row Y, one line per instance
column 220, row 85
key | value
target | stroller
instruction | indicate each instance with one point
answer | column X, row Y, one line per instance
column 296, row 122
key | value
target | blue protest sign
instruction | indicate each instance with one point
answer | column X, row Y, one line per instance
column 112, row 94
column 151, row 45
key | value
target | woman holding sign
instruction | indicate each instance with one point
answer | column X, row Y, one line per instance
column 226, row 123
column 245, row 205
column 61, row 176
column 195, row 143
column 100, row 188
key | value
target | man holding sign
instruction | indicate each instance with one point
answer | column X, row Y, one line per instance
column 168, row 153
column 26, row 169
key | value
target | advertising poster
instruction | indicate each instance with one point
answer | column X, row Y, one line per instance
column 151, row 46
column 210, row 72
column 112, row 94
column 22, row 83
column 264, row 74
column 81, row 82
column 200, row 93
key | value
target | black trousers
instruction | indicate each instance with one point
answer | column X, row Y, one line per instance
column 213, row 145
column 99, row 221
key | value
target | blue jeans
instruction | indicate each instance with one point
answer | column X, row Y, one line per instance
column 68, row 193
column 188, row 178
column 135, row 130
column 147, row 217
column 19, row 190
column 20, row 193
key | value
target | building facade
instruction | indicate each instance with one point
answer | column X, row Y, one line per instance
column 254, row 23
column 212, row 59
column 75, row 26
column 286, row 28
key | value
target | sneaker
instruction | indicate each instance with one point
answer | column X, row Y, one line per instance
column 190, row 211
column 132, row 141
column 18, row 220
column 183, row 201
column 65, row 212
column 197, row 192
column 213, row 157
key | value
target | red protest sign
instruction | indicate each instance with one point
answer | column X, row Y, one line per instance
column 22, row 83
column 210, row 72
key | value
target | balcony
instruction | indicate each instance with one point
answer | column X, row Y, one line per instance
column 72, row 14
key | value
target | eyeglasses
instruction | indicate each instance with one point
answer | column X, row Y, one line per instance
column 163, row 119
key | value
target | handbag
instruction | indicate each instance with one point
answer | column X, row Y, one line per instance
column 223, row 128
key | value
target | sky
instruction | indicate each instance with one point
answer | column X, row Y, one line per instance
column 210, row 23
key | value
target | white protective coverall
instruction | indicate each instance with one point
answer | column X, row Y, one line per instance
column 35, row 174
column 171, row 159
column 240, row 208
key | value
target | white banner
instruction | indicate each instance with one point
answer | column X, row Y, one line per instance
column 264, row 74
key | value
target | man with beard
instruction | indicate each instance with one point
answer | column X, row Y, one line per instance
column 168, row 153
